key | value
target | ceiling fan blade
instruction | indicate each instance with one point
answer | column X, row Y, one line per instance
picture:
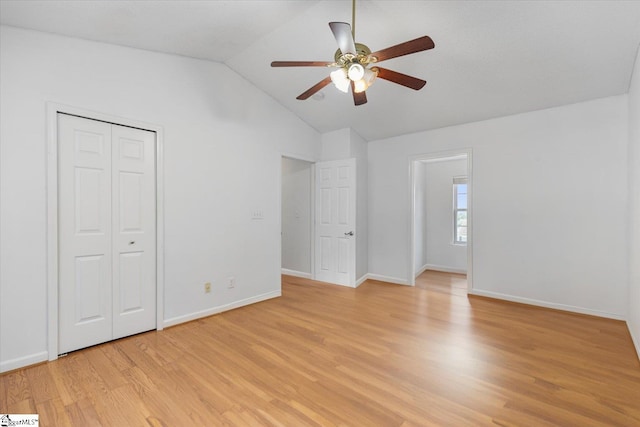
column 344, row 37
column 315, row 88
column 358, row 98
column 301, row 64
column 401, row 79
column 406, row 48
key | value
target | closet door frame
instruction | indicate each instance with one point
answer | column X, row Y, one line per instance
column 53, row 109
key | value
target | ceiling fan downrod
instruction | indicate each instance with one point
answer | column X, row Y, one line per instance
column 353, row 19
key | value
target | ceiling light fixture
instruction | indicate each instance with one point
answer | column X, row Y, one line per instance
column 353, row 65
column 340, row 79
column 356, row 66
column 355, row 72
column 361, row 77
column 359, row 86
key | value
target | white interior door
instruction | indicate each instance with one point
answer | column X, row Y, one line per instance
column 85, row 232
column 134, row 231
column 107, row 233
column 335, row 254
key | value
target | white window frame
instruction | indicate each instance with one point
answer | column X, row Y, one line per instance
column 457, row 181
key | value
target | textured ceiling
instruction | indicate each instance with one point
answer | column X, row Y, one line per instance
column 492, row 58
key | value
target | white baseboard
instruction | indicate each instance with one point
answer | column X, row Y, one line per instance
column 361, row 280
column 442, row 268
column 355, row 285
column 295, row 273
column 21, row 362
column 389, row 279
column 635, row 339
column 336, row 284
column 221, row 308
column 421, row 270
column 555, row 306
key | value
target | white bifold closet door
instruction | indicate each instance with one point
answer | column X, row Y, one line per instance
column 107, row 232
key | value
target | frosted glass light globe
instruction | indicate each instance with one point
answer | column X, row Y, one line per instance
column 356, row 72
column 339, row 78
column 359, row 86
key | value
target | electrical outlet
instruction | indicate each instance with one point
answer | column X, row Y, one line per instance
column 207, row 287
column 232, row 282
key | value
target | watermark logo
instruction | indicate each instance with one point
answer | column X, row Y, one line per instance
column 10, row 420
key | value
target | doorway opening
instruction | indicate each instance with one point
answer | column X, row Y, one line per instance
column 297, row 217
column 441, row 215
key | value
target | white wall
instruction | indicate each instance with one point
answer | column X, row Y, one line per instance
column 336, row 145
column 296, row 216
column 441, row 253
column 633, row 316
column 420, row 217
column 550, row 196
column 223, row 144
column 359, row 150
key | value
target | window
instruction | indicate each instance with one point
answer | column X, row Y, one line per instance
column 460, row 210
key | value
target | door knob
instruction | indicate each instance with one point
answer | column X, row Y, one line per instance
column 349, row 233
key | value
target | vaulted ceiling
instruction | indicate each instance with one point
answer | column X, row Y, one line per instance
column 492, row 58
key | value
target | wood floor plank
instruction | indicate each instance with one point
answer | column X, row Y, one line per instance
column 121, row 407
column 81, row 413
column 41, row 384
column 324, row 355
column 54, row 412
column 108, row 371
column 15, row 387
column 26, row 406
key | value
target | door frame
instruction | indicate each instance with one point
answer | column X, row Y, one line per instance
column 53, row 109
column 312, row 208
column 434, row 157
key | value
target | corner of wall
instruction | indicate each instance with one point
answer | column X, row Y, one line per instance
column 336, row 145
column 633, row 308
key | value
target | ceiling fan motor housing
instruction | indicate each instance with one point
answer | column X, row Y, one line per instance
column 362, row 56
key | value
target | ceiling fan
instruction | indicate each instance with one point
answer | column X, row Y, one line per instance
column 356, row 64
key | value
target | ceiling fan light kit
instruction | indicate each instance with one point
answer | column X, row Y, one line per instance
column 355, row 72
column 354, row 63
column 340, row 79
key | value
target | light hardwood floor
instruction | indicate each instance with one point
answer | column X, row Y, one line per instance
column 379, row 355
